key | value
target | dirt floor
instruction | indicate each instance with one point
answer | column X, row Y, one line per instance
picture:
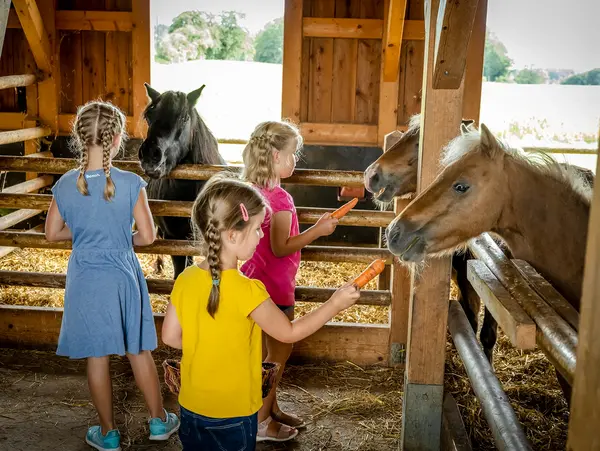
column 44, row 405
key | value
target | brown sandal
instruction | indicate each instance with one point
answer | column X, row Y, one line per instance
column 284, row 433
column 288, row 419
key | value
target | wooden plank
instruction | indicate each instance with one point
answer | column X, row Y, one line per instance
column 388, row 95
column 38, row 328
column 294, row 59
column 13, row 20
column 15, row 217
column 474, row 69
column 118, row 56
column 393, row 39
column 29, row 186
column 17, row 81
column 343, row 97
column 452, row 40
column 36, row 33
column 516, row 324
column 319, row 27
column 305, row 79
column 367, row 82
column 441, row 115
column 94, row 20
column 11, row 121
column 71, row 74
column 585, row 407
column 140, row 63
column 94, row 73
column 27, row 65
column 4, row 251
column 342, row 134
column 8, row 99
column 454, row 434
column 552, row 297
column 16, row 136
column 48, row 99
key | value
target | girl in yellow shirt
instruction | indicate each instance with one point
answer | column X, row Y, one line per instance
column 216, row 316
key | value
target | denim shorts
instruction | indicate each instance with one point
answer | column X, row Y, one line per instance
column 198, row 432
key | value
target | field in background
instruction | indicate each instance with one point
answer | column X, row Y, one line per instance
column 239, row 95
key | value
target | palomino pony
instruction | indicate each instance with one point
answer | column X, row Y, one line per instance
column 395, row 174
column 539, row 208
column 176, row 135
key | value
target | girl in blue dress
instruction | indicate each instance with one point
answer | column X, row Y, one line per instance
column 107, row 306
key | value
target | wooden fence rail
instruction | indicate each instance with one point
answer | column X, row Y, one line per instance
column 180, row 247
column 16, row 136
column 315, row 177
column 17, row 81
column 365, row 218
column 164, row 286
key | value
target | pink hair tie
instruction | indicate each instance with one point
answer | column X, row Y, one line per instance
column 245, row 216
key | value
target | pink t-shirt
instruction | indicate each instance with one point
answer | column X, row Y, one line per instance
column 278, row 274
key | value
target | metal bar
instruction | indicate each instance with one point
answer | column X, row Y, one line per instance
column 507, row 431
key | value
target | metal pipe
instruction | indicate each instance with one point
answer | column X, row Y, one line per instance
column 507, row 431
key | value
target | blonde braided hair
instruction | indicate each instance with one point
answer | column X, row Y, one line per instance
column 96, row 123
column 259, row 162
column 217, row 209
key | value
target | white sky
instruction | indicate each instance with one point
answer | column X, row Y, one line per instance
column 562, row 34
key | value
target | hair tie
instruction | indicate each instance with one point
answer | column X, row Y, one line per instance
column 216, row 282
column 245, row 216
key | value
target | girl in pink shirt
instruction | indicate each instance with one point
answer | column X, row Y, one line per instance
column 269, row 157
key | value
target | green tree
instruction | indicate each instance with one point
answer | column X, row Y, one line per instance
column 232, row 41
column 591, row 77
column 530, row 77
column 496, row 61
column 269, row 43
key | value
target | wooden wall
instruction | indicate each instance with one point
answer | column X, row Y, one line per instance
column 333, row 69
column 101, row 50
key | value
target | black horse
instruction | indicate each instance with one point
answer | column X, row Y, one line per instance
column 176, row 135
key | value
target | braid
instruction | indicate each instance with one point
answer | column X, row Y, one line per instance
column 213, row 240
column 106, row 139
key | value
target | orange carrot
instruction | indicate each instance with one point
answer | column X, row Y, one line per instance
column 372, row 271
column 344, row 209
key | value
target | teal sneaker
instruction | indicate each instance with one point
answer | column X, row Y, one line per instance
column 109, row 442
column 162, row 430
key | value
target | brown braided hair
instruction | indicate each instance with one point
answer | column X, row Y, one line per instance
column 259, row 163
column 217, row 209
column 96, row 123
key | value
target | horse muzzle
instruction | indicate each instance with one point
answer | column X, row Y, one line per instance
column 406, row 241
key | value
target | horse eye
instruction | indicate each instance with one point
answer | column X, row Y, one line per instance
column 460, row 188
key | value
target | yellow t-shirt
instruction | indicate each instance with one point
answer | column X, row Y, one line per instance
column 221, row 371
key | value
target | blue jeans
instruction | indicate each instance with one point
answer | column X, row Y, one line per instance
column 200, row 433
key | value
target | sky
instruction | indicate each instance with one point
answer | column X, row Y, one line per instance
column 549, row 34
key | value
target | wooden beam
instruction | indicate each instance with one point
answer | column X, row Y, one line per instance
column 184, row 247
column 314, row 177
column 94, row 20
column 6, row 250
column 47, row 89
column 441, row 115
column 339, row 134
column 292, row 60
column 325, row 27
column 17, row 81
column 516, row 324
column 585, row 403
column 456, row 18
column 474, row 69
column 29, row 185
column 16, row 217
column 306, row 215
column 552, row 297
column 38, row 328
column 388, row 95
column 25, row 134
column 140, row 37
column 393, row 39
column 35, row 32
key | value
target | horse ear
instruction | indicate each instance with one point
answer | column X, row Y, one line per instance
column 488, row 140
column 193, row 96
column 463, row 129
column 152, row 93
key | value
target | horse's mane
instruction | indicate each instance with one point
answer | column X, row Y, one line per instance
column 204, row 146
column 539, row 161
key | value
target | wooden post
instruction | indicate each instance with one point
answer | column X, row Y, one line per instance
column 47, row 89
column 585, row 403
column 441, row 115
column 140, row 38
column 474, row 69
column 292, row 60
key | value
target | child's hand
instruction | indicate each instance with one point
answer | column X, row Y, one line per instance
column 345, row 296
column 326, row 224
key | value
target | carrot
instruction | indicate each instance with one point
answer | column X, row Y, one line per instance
column 344, row 209
column 372, row 271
